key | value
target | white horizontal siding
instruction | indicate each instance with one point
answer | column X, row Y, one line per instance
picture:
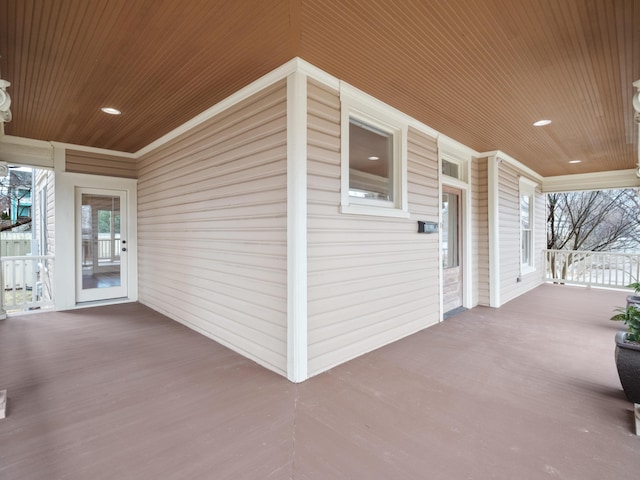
column 371, row 280
column 99, row 164
column 212, row 228
column 512, row 282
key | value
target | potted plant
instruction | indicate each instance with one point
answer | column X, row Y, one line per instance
column 634, row 299
column 628, row 351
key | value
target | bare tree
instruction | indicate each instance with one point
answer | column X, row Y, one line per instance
column 15, row 199
column 595, row 221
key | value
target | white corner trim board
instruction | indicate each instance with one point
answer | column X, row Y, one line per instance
column 297, row 227
column 3, row 404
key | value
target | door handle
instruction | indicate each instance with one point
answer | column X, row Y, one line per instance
column 124, row 249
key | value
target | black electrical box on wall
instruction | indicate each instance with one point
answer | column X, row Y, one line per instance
column 427, row 227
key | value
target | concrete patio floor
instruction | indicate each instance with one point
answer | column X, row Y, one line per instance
column 527, row 391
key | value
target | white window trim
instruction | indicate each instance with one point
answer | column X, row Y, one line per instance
column 462, row 167
column 528, row 187
column 368, row 110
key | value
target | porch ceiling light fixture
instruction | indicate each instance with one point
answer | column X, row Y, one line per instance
column 575, row 161
column 5, row 102
column 541, row 123
column 111, row 110
column 373, row 157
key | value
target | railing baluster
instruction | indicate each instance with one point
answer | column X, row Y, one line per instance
column 22, row 273
column 600, row 269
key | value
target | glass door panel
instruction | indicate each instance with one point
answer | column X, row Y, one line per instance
column 451, row 242
column 101, row 230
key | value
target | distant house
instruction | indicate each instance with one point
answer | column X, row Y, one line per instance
column 19, row 193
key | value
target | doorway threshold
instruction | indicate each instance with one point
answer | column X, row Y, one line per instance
column 454, row 312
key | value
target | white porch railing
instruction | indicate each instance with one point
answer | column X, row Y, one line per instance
column 108, row 249
column 597, row 269
column 26, row 282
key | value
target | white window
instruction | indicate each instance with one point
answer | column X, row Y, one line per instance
column 373, row 162
column 527, row 221
column 450, row 169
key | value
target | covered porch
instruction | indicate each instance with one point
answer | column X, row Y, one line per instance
column 525, row 391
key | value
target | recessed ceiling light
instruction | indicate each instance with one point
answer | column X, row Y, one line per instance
column 373, row 158
column 541, row 123
column 111, row 111
column 575, row 161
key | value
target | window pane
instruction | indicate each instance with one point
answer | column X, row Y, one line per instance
column 525, row 229
column 449, row 230
column 526, row 247
column 524, row 211
column 370, row 162
column 100, row 241
column 450, row 169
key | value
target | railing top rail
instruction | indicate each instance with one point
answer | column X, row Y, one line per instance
column 28, row 257
column 632, row 254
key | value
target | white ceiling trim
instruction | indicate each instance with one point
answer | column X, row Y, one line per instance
column 591, row 181
column 515, row 163
column 26, row 151
column 263, row 82
column 100, row 151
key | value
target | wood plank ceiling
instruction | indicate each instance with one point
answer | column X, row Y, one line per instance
column 479, row 71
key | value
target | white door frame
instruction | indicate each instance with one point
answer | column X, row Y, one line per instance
column 65, row 235
column 464, row 185
column 111, row 292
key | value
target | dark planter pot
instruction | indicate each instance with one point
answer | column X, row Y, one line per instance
column 633, row 300
column 628, row 364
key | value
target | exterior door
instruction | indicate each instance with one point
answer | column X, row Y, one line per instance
column 101, row 244
column 451, row 248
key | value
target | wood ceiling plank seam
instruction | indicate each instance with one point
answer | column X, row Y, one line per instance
column 58, row 99
column 51, row 68
column 609, row 75
column 560, row 49
column 501, row 81
column 616, row 79
column 65, row 97
column 104, row 48
column 196, row 105
column 586, row 76
column 295, row 26
column 625, row 37
column 533, row 72
column 19, row 76
column 143, row 36
column 442, row 49
column 548, row 47
column 5, row 36
column 200, row 106
column 43, row 47
column 476, row 22
column 8, row 40
column 116, row 16
column 587, row 43
column 607, row 72
column 29, row 13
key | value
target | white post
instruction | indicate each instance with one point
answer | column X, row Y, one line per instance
column 297, row 227
column 3, row 313
column 494, row 230
column 636, row 412
column 3, row 404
